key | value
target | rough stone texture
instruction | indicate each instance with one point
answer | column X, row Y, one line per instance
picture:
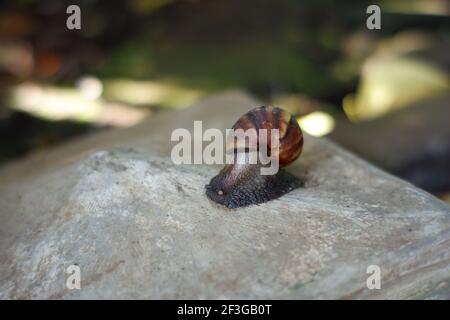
column 141, row 227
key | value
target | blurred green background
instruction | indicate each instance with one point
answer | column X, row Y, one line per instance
column 383, row 94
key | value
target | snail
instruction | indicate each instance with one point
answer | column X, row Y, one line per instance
column 242, row 183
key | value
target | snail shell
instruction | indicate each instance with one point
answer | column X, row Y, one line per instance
column 239, row 185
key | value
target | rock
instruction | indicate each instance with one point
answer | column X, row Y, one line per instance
column 139, row 226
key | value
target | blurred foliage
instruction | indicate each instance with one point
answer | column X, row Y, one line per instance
column 250, row 63
column 392, row 84
column 437, row 7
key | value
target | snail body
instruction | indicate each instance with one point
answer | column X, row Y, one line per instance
column 242, row 183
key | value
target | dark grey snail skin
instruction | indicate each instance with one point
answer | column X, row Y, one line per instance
column 243, row 185
column 253, row 188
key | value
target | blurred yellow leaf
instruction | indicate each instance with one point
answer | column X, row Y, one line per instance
column 393, row 83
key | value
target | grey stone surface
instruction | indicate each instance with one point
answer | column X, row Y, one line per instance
column 141, row 227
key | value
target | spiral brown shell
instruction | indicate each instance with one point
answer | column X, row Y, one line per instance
column 290, row 134
column 239, row 185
